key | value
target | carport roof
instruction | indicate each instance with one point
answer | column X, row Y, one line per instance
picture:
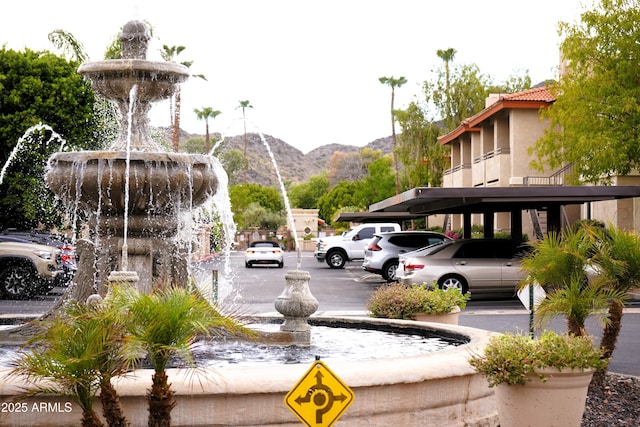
column 423, row 201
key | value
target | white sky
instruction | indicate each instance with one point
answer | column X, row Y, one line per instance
column 309, row 68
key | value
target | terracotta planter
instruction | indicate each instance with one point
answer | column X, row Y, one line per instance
column 558, row 402
column 450, row 318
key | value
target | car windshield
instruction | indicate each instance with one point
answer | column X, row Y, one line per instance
column 349, row 234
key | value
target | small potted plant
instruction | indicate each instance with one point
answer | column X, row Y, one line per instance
column 417, row 302
column 542, row 380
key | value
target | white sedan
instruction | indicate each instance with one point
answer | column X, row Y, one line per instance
column 264, row 252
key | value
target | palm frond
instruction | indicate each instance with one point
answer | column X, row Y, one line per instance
column 66, row 42
column 577, row 301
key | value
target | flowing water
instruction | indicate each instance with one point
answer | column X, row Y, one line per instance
column 287, row 205
column 28, row 136
column 132, row 102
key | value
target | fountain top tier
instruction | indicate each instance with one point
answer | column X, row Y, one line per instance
column 134, row 79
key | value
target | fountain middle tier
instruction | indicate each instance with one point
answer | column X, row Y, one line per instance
column 162, row 181
column 162, row 188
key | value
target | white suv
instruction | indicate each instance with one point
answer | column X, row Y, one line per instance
column 337, row 250
column 381, row 256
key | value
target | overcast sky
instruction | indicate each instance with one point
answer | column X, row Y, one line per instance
column 310, row 69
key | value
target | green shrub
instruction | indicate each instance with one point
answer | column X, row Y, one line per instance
column 397, row 301
column 513, row 358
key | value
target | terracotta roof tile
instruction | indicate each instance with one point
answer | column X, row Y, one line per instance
column 541, row 94
column 531, row 98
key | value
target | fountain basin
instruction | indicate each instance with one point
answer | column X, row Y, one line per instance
column 439, row 388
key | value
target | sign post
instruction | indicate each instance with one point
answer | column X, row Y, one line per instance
column 320, row 397
column 531, row 296
column 214, row 286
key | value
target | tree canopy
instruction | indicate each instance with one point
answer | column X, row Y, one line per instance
column 423, row 158
column 343, row 194
column 39, row 88
column 307, row 194
column 595, row 120
column 246, row 200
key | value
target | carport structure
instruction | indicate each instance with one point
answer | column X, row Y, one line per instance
column 422, row 201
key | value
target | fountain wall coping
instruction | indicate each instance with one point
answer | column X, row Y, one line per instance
column 359, row 373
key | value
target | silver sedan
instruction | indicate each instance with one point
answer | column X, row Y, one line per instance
column 474, row 265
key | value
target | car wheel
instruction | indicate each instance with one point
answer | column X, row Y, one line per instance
column 247, row 265
column 389, row 270
column 16, row 281
column 280, row 264
column 457, row 282
column 336, row 259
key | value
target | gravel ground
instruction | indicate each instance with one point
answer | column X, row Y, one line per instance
column 618, row 406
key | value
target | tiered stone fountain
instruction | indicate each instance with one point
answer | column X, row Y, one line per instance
column 134, row 194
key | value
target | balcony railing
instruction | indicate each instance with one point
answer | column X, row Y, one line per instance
column 558, row 178
column 492, row 154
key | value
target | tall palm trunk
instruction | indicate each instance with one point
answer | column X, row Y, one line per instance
column 207, row 138
column 175, row 136
column 608, row 342
column 394, row 140
column 161, row 401
column 111, row 408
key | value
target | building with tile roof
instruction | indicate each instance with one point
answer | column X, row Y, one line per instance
column 491, row 149
column 490, row 182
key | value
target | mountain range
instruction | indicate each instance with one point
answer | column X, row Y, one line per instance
column 293, row 165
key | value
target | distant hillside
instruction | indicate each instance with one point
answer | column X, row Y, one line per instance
column 293, row 165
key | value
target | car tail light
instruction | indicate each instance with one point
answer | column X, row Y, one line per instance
column 374, row 247
column 413, row 267
column 277, row 251
column 250, row 251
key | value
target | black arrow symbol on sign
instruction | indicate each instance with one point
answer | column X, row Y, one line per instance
column 340, row 398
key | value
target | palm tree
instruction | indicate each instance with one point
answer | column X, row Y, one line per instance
column 577, row 301
column 204, row 114
column 244, row 105
column 394, row 83
column 109, row 358
column 618, row 257
column 447, row 56
column 78, row 353
column 561, row 263
column 164, row 324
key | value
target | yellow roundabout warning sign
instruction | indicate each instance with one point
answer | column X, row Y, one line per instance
column 320, row 397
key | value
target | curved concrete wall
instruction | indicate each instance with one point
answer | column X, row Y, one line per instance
column 439, row 389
